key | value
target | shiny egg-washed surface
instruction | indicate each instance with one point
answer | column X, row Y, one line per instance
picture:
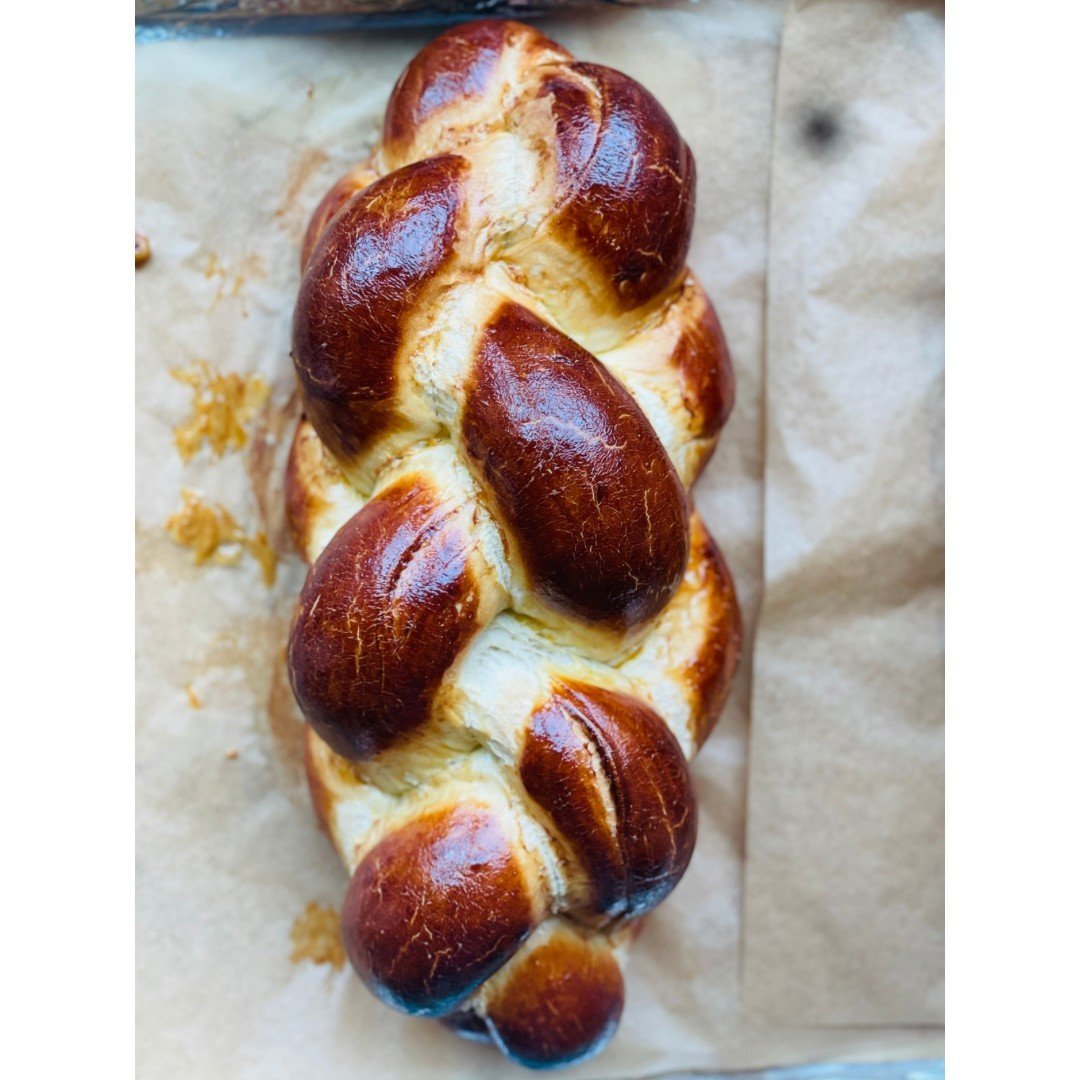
column 516, row 630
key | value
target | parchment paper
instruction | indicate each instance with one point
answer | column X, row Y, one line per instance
column 844, row 887
column 236, row 141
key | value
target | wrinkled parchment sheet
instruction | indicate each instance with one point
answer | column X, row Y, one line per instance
column 844, row 884
column 237, row 140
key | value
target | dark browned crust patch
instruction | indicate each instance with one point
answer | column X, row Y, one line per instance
column 560, row 1003
column 436, row 908
column 383, row 614
column 364, row 279
column 577, row 473
column 634, row 861
column 625, row 178
column 712, row 669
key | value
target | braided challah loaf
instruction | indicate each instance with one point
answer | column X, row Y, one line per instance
column 515, row 629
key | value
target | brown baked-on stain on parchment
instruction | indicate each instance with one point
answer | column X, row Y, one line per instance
column 233, row 279
column 316, row 936
column 206, row 530
column 254, row 647
column 263, row 464
column 294, row 209
column 265, row 648
column 254, row 651
column 223, row 404
column 285, row 721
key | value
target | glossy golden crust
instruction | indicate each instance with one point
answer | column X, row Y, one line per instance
column 454, row 70
column 316, row 753
column 612, row 777
column 362, row 282
column 557, row 1002
column 515, row 630
column 538, row 407
column 419, row 923
column 711, row 668
column 701, row 358
column 625, row 180
column 352, row 182
column 305, row 496
column 394, row 588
